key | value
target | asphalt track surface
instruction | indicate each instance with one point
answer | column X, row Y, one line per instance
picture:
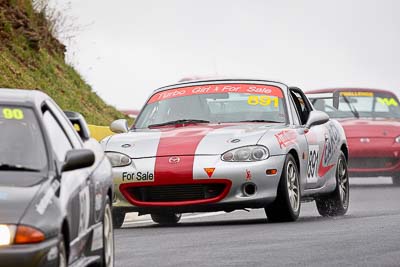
column 369, row 235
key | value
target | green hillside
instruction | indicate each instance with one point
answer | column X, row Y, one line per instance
column 31, row 58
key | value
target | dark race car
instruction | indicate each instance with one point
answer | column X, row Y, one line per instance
column 371, row 120
column 55, row 186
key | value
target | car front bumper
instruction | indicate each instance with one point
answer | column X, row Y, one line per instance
column 375, row 157
column 232, row 177
column 30, row 255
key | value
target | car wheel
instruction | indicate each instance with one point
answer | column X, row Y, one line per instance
column 118, row 217
column 396, row 180
column 337, row 202
column 62, row 253
column 166, row 218
column 286, row 207
column 108, row 236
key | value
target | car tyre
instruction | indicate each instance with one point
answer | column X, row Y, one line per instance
column 108, row 236
column 337, row 202
column 286, row 207
column 62, row 253
column 166, row 218
column 118, row 217
column 396, row 180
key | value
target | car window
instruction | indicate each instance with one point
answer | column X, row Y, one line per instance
column 216, row 103
column 361, row 104
column 301, row 106
column 296, row 119
column 21, row 139
column 58, row 139
column 65, row 123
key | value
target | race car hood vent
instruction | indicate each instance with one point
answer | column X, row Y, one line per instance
column 199, row 139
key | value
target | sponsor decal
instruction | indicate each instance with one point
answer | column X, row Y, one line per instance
column 84, row 209
column 13, row 114
column 217, row 89
column 137, row 177
column 47, row 198
column 286, row 137
column 367, row 94
column 262, row 100
column 331, row 144
column 248, row 175
column 209, row 171
column 387, row 101
column 330, row 149
column 312, row 166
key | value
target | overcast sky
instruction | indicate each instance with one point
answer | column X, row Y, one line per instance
column 126, row 48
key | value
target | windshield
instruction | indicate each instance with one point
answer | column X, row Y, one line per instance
column 21, row 141
column 360, row 104
column 216, row 103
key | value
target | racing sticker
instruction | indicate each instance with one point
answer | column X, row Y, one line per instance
column 312, row 166
column 330, row 149
column 366, row 94
column 209, row 171
column 84, row 211
column 217, row 89
column 47, row 198
column 387, row 101
column 12, row 114
column 286, row 137
column 263, row 100
column 137, row 177
column 248, row 175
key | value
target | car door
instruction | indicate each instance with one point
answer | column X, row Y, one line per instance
column 317, row 138
column 76, row 185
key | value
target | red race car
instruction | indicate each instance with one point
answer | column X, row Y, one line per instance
column 371, row 120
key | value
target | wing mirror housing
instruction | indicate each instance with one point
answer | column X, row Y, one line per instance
column 78, row 159
column 119, row 126
column 316, row 117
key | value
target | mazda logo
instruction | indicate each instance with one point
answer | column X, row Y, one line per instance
column 174, row 160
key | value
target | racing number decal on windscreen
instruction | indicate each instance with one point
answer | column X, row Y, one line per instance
column 262, row 100
column 313, row 156
column 13, row 114
column 387, row 101
column 84, row 209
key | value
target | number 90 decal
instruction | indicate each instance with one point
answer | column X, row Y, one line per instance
column 13, row 114
column 262, row 100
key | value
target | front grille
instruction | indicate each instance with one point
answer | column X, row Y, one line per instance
column 174, row 193
column 372, row 163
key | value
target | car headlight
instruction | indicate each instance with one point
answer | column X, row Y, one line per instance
column 7, row 233
column 247, row 153
column 21, row 234
column 397, row 139
column 118, row 159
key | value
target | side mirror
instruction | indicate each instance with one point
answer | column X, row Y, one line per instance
column 78, row 159
column 316, row 117
column 119, row 126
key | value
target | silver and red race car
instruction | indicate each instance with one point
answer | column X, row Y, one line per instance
column 222, row 145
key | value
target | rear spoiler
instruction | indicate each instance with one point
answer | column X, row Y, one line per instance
column 330, row 95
